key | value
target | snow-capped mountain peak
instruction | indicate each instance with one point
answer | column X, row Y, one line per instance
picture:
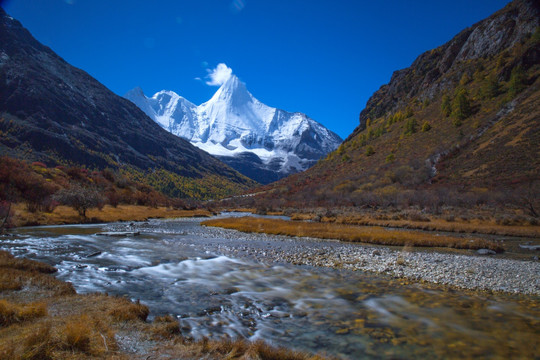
column 262, row 142
column 233, row 91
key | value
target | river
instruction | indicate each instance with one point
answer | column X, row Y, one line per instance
column 178, row 267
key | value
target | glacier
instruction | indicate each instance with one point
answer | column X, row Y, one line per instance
column 262, row 142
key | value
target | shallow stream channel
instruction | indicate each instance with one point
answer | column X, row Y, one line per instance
column 220, row 283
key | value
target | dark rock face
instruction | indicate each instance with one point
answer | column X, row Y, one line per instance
column 54, row 112
column 486, row 38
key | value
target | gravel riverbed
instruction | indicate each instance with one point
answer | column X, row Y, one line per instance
column 469, row 271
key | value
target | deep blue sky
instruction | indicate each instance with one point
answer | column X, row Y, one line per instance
column 321, row 57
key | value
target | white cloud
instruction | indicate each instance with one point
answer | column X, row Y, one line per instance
column 218, row 75
column 237, row 5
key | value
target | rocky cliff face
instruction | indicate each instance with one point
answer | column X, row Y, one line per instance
column 425, row 78
column 53, row 112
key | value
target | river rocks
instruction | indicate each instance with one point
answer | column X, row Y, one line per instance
column 461, row 270
column 529, row 247
column 119, row 233
column 485, row 252
column 465, row 270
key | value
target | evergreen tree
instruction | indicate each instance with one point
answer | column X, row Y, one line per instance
column 517, row 82
column 465, row 79
column 410, row 126
column 490, row 87
column 461, row 106
column 370, row 151
column 446, row 106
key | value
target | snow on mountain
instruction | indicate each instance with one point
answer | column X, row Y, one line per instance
column 234, row 126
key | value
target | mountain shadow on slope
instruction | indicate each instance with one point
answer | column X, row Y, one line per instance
column 53, row 112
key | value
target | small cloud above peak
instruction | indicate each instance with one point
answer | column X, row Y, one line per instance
column 219, row 75
column 237, row 5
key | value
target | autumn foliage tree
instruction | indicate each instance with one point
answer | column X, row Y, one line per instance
column 18, row 181
column 80, row 198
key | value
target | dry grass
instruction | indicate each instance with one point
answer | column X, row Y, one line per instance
column 130, row 312
column 66, row 215
column 13, row 279
column 62, row 325
column 11, row 313
column 166, row 326
column 233, row 349
column 372, row 235
column 448, row 224
column 16, row 273
column 9, row 261
column 77, row 334
column 37, row 345
column 88, row 336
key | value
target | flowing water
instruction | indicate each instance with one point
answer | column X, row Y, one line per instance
column 174, row 267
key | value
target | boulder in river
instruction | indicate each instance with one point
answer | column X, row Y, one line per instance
column 485, row 252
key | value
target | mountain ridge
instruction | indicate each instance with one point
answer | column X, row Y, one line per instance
column 53, row 112
column 234, row 123
column 457, row 127
column 468, row 44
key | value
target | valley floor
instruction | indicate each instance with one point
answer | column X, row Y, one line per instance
column 42, row 317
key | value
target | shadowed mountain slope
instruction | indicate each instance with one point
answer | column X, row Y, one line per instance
column 53, row 112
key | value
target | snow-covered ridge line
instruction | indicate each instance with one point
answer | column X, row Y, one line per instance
column 234, row 122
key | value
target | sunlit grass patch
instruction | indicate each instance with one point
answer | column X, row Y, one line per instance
column 9, row 261
column 39, row 344
column 66, row 215
column 166, row 326
column 11, row 313
column 233, row 349
column 77, row 334
column 87, row 335
column 129, row 311
column 372, row 234
column 14, row 279
column 448, row 223
column 464, row 223
column 17, row 273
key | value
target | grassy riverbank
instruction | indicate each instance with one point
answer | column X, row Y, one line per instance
column 42, row 317
column 371, row 235
column 66, row 215
column 505, row 226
